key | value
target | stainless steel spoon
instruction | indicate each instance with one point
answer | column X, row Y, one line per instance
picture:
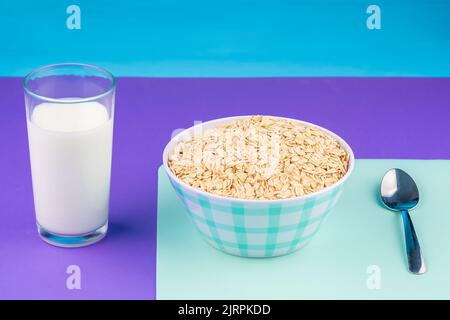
column 399, row 193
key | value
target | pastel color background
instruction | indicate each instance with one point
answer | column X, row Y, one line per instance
column 385, row 91
column 230, row 38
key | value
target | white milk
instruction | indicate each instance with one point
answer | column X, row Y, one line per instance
column 70, row 150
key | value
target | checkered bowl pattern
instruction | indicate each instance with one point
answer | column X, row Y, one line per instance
column 255, row 228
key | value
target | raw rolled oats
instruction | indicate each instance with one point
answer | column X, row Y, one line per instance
column 260, row 157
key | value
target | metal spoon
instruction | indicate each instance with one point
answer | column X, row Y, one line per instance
column 399, row 193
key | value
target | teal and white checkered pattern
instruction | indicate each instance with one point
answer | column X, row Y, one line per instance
column 253, row 229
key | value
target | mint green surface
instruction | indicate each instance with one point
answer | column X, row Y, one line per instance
column 358, row 234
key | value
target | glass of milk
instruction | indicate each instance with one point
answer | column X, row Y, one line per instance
column 70, row 115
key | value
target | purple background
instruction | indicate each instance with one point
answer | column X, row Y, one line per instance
column 379, row 117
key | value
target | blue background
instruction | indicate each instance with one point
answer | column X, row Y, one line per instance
column 229, row 38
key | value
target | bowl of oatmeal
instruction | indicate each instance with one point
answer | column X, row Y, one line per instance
column 258, row 186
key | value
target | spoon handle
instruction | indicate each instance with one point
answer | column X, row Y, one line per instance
column 415, row 259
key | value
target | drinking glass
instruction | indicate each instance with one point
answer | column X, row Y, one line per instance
column 70, row 116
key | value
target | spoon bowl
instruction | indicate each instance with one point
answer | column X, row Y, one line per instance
column 399, row 191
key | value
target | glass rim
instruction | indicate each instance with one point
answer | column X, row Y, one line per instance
column 107, row 91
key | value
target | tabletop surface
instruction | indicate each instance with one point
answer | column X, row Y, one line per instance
column 358, row 253
column 381, row 118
